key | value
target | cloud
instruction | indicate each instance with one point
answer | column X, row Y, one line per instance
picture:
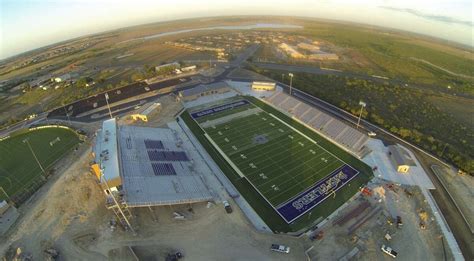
column 439, row 18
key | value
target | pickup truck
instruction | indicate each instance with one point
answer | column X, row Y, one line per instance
column 280, row 248
column 389, row 251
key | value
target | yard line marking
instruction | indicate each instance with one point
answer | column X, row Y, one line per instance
column 304, row 135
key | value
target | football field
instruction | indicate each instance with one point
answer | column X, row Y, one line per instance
column 290, row 170
column 19, row 169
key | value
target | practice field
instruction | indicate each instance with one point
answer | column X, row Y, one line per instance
column 290, row 170
column 19, row 170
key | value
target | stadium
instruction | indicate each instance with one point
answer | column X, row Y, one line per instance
column 290, row 175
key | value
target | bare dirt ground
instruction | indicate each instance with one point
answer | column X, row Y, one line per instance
column 70, row 199
column 409, row 241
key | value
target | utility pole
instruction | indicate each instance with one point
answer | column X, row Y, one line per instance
column 291, row 81
column 362, row 106
column 108, row 106
column 67, row 114
column 34, row 155
column 4, row 192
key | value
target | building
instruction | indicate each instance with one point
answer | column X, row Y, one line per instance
column 308, row 47
column 323, row 56
column 263, row 86
column 292, row 52
column 168, row 65
column 146, row 167
column 156, row 106
column 204, row 90
column 62, row 78
column 107, row 168
column 3, row 207
column 189, row 68
column 400, row 158
column 141, row 117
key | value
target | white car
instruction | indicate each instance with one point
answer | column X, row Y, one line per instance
column 280, row 248
column 389, row 251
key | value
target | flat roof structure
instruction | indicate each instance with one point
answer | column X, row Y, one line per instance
column 400, row 156
column 106, row 150
column 155, row 169
column 204, row 88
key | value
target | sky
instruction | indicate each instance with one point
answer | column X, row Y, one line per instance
column 30, row 24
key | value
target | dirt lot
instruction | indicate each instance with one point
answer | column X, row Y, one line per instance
column 409, row 241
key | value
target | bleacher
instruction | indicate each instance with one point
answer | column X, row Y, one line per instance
column 332, row 128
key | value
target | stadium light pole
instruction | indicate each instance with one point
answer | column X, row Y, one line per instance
column 34, row 155
column 291, row 81
column 67, row 114
column 362, row 106
column 4, row 192
column 108, row 106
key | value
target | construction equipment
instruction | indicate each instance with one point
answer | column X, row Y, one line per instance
column 367, row 192
column 317, row 236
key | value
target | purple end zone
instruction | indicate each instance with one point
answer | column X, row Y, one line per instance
column 304, row 202
column 219, row 108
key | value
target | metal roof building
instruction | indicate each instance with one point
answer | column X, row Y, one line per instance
column 106, row 154
column 153, row 168
column 400, row 158
column 204, row 90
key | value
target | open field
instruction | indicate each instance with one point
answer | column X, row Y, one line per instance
column 19, row 168
column 279, row 164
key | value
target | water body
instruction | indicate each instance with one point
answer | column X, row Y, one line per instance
column 226, row 27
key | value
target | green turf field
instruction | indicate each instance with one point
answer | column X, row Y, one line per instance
column 18, row 167
column 277, row 159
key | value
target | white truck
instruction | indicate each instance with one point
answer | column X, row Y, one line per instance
column 389, row 251
column 227, row 207
column 280, row 248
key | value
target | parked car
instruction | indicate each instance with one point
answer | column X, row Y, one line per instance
column 399, row 222
column 227, row 206
column 389, row 251
column 280, row 248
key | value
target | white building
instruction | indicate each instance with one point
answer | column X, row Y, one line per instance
column 263, row 86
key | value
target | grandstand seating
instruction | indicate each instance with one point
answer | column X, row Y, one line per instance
column 330, row 127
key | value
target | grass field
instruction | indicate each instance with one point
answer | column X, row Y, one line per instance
column 18, row 167
column 273, row 160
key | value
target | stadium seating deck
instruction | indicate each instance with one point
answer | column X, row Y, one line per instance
column 332, row 128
